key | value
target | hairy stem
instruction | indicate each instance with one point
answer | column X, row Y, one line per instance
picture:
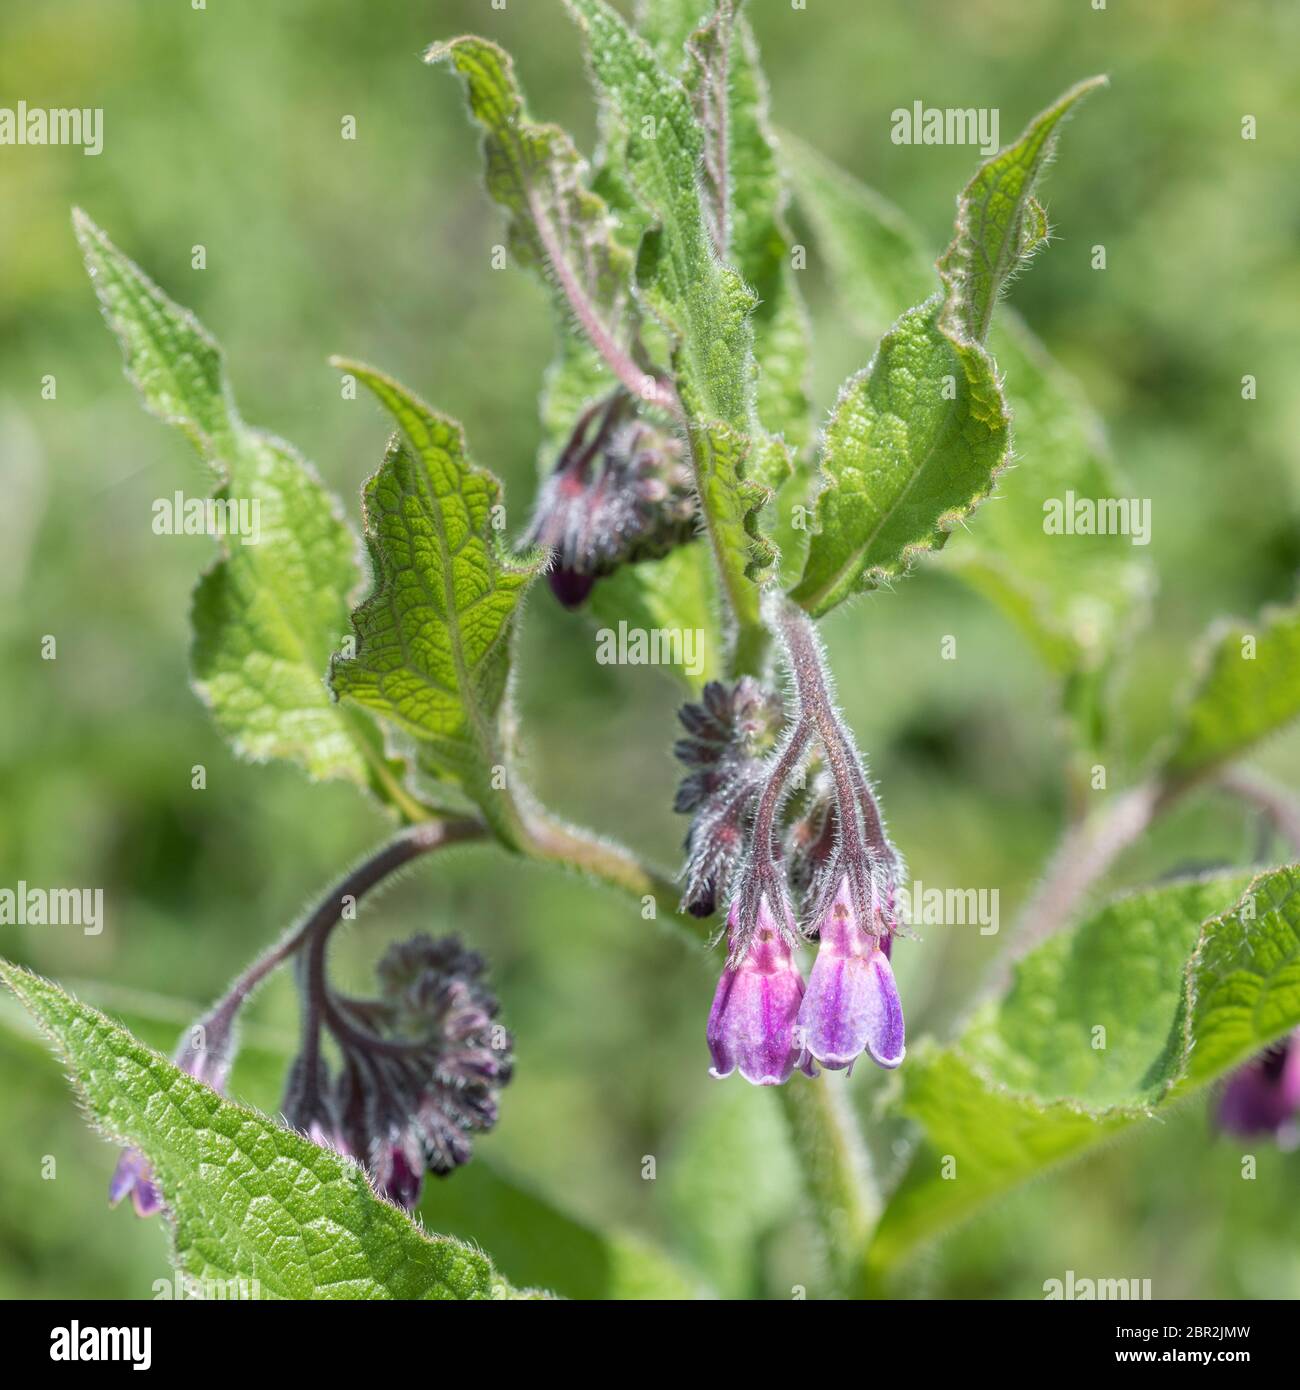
column 813, row 686
column 641, row 384
column 407, row 845
column 552, row 841
column 713, row 109
column 1086, row 852
column 316, row 929
column 1280, row 809
column 837, row 1170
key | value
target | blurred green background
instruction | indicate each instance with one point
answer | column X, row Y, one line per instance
column 222, row 128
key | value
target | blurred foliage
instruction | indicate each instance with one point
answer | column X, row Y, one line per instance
column 222, row 128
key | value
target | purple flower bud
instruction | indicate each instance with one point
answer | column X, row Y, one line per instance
column 752, row 1023
column 1263, row 1097
column 852, row 1002
column 134, row 1175
column 621, row 492
column 728, row 731
column 569, row 586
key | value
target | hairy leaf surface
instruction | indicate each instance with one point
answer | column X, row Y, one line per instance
column 1153, row 997
column 268, row 615
column 999, row 221
column 434, row 636
column 1073, row 596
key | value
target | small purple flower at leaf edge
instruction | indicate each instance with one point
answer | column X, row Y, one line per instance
column 1263, row 1097
column 134, row 1176
column 851, row 1004
column 205, row 1052
column 752, row 1023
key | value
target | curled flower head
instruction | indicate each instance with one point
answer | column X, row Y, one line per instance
column 852, row 1005
column 752, row 1026
column 1263, row 1097
column 620, row 493
column 419, row 1073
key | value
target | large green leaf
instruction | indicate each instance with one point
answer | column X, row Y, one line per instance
column 917, row 440
column 913, row 445
column 267, row 616
column 1154, row 996
column 1249, row 688
column 434, row 637
column 247, row 1199
column 701, row 302
column 532, row 1239
column 730, row 99
column 1073, row 596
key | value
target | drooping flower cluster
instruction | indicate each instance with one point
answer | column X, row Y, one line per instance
column 1263, row 1097
column 419, row 1069
column 816, row 866
column 621, row 492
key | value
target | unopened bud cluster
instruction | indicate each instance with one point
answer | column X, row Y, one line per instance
column 729, row 732
column 621, row 492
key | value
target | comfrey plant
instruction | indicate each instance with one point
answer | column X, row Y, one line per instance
column 682, row 487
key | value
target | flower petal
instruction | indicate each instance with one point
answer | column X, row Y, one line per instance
column 134, row 1175
column 752, row 1025
column 852, row 1005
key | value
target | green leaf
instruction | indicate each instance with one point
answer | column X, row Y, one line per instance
column 434, row 636
column 746, row 189
column 246, row 1198
column 533, row 1240
column 666, row 25
column 1074, row 597
column 1249, row 689
column 703, row 304
column 913, row 445
column 267, row 616
column 916, row 441
column 1183, row 991
column 1075, row 613
column 999, row 222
